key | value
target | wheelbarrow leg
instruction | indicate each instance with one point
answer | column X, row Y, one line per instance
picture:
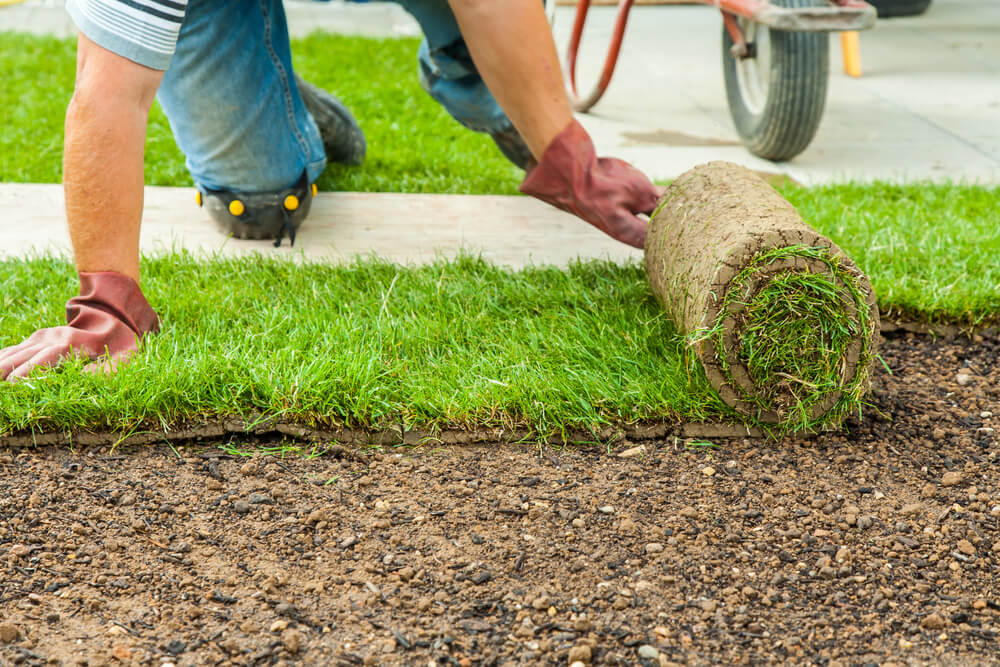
column 850, row 47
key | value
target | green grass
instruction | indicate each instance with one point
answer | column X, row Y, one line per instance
column 413, row 145
column 455, row 343
column 930, row 250
column 459, row 343
column 794, row 335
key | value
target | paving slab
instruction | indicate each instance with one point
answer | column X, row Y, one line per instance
column 404, row 228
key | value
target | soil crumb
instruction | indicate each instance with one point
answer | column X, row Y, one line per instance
column 876, row 545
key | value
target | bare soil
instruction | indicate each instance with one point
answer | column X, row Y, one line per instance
column 879, row 545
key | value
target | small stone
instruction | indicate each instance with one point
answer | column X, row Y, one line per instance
column 122, row 653
column 708, row 471
column 175, row 647
column 905, row 644
column 966, row 547
column 708, row 606
column 985, row 414
column 951, row 478
column 292, row 639
column 632, row 452
column 481, row 577
column 932, row 621
column 541, row 602
column 606, row 509
column 689, row 513
column 577, row 663
column 843, row 554
column 579, row 523
column 928, row 490
column 406, row 573
column 9, row 633
column 213, row 484
column 647, row 652
column 260, row 499
column 279, row 625
column 911, row 509
column 580, row 653
column 827, row 572
column 963, row 379
column 241, row 507
column 654, row 548
column 979, row 604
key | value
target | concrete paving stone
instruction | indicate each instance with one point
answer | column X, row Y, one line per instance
column 403, row 228
column 925, row 108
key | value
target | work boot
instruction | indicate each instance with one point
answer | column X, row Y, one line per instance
column 512, row 146
column 259, row 215
column 343, row 139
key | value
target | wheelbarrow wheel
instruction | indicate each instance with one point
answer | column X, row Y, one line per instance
column 777, row 94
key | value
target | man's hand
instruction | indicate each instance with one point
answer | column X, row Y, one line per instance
column 606, row 192
column 109, row 318
column 103, row 180
column 511, row 44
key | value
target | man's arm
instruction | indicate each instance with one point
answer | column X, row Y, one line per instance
column 103, row 180
column 103, row 160
column 511, row 44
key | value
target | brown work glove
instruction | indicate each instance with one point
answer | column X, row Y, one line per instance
column 606, row 192
column 108, row 318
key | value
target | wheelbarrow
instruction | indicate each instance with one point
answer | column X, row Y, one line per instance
column 775, row 62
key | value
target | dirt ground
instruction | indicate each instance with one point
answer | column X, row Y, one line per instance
column 876, row 546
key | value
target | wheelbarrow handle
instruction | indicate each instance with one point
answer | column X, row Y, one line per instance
column 578, row 102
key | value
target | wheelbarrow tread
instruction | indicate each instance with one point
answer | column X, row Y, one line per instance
column 796, row 93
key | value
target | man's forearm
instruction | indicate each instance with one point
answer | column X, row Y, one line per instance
column 103, row 159
column 511, row 45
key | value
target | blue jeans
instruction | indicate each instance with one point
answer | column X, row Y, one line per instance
column 235, row 111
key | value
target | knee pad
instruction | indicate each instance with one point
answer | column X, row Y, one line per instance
column 259, row 215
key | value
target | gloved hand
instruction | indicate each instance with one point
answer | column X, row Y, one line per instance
column 606, row 192
column 108, row 318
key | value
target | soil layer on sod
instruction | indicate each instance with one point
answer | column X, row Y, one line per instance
column 874, row 545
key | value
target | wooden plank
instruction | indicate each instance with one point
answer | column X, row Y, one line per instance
column 403, row 228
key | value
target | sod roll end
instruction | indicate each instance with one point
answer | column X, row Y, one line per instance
column 784, row 323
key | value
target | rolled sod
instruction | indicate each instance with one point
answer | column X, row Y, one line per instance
column 784, row 323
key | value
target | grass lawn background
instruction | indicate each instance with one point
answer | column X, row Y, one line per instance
column 454, row 343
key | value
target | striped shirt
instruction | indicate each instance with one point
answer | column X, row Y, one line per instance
column 144, row 31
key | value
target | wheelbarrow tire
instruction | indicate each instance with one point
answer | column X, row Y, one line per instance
column 784, row 121
column 898, row 8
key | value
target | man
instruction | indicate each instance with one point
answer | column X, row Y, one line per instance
column 250, row 134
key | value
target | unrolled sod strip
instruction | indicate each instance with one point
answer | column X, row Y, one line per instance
column 783, row 321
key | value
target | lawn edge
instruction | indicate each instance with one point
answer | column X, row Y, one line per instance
column 234, row 427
